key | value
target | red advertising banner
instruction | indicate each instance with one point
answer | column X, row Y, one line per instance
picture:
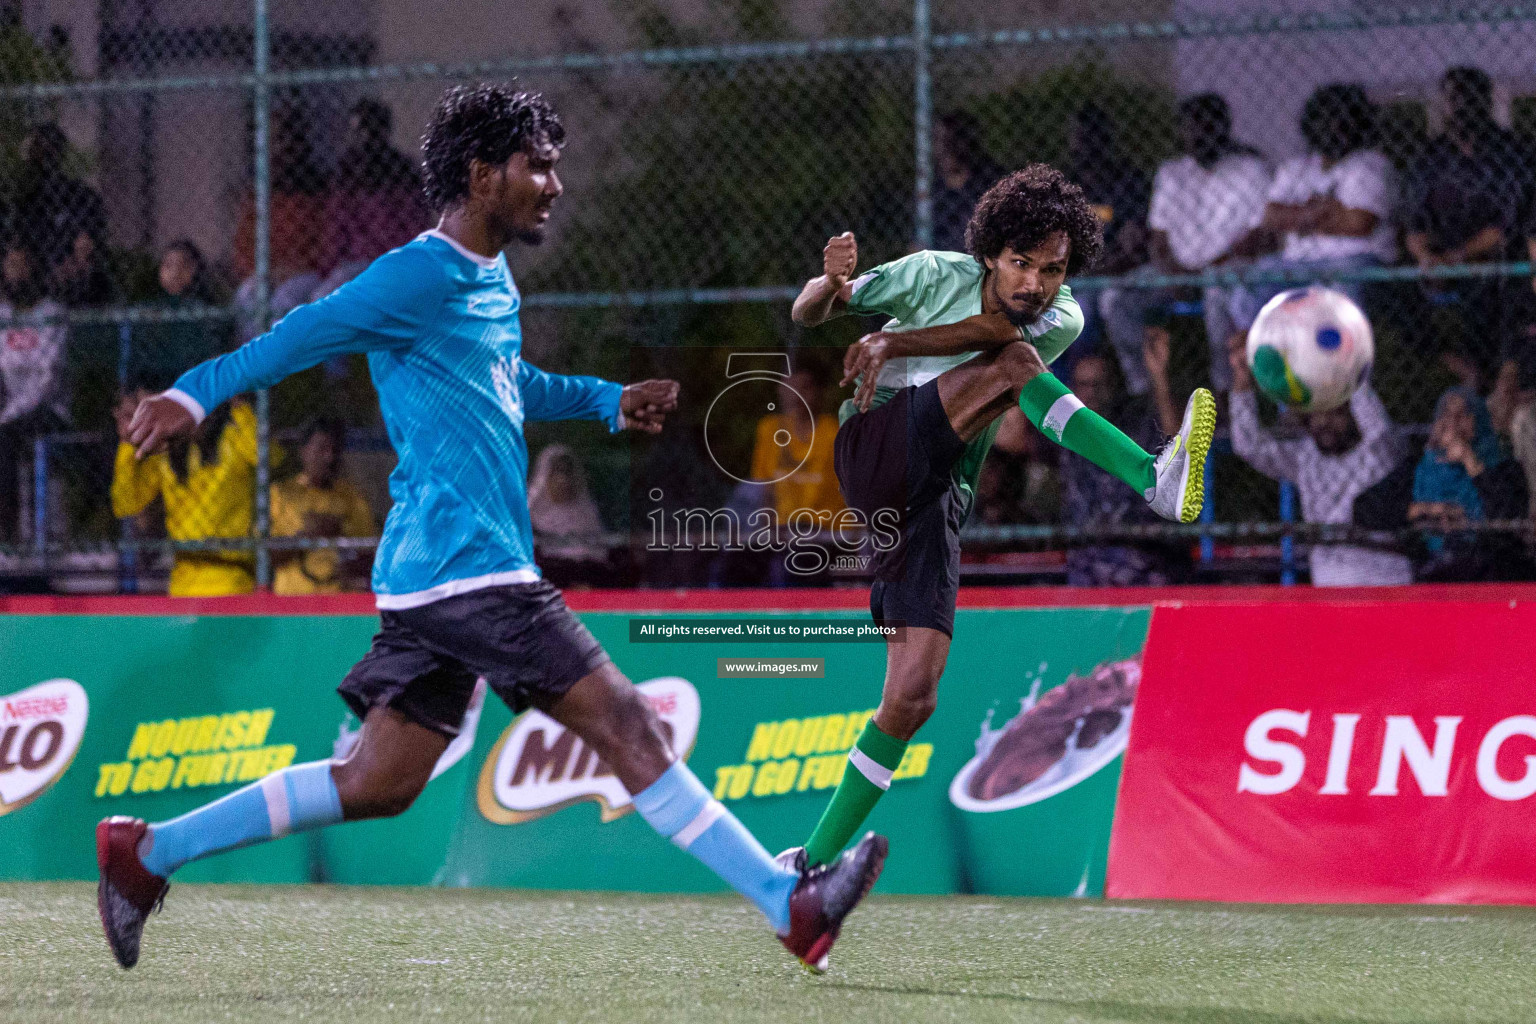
column 1363, row 752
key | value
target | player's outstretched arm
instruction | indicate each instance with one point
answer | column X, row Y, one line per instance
column 980, row 333
column 826, row 296
column 386, row 306
column 556, row 396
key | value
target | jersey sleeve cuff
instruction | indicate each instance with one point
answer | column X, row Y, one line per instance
column 615, row 417
column 187, row 402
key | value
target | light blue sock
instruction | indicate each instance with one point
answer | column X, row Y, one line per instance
column 679, row 807
column 292, row 800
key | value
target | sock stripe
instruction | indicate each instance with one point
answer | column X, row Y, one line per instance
column 871, row 769
column 275, row 789
column 707, row 816
column 1054, row 423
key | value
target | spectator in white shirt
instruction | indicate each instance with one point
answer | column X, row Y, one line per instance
column 1343, row 453
column 33, row 400
column 1330, row 210
column 1204, row 204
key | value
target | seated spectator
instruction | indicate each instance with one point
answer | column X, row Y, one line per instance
column 1465, row 198
column 1018, row 483
column 1119, row 191
column 162, row 351
column 320, row 502
column 53, row 209
column 209, row 487
column 375, row 201
column 33, row 396
column 566, row 524
column 792, row 452
column 296, row 218
column 1089, row 495
column 81, row 278
column 1465, row 478
column 1204, row 204
column 1344, row 453
column 964, row 173
column 1331, row 210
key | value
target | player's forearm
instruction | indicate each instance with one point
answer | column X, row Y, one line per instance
column 555, row 396
column 980, row 333
column 816, row 303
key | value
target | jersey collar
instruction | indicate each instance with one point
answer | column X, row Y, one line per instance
column 481, row 261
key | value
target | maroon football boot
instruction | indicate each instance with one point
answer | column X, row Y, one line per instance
column 127, row 892
column 826, row 894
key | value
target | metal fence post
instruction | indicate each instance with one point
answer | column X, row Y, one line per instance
column 922, row 122
column 263, row 182
column 40, row 499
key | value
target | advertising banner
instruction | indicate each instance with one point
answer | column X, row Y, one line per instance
column 1009, row 789
column 1363, row 752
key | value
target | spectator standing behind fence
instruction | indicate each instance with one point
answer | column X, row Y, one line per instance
column 1343, row 454
column 1094, row 498
column 1331, row 209
column 209, row 487
column 1204, row 204
column 375, row 201
column 1465, row 200
column 53, row 209
column 162, row 351
column 34, row 398
column 296, row 218
column 1465, row 478
column 964, row 173
column 320, row 502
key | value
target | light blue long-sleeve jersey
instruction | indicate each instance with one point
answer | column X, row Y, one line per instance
column 441, row 330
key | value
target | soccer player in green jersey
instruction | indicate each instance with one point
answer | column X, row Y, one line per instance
column 970, row 336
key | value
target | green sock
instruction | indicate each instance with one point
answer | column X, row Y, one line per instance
column 866, row 778
column 1063, row 418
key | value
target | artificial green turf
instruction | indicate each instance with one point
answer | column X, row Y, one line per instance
column 262, row 953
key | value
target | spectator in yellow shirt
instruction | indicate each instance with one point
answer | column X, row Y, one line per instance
column 209, row 487
column 796, row 457
column 320, row 503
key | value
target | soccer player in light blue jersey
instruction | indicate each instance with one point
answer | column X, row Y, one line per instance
column 458, row 592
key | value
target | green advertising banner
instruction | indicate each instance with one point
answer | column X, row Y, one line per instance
column 1009, row 789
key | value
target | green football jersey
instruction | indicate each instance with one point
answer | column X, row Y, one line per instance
column 930, row 288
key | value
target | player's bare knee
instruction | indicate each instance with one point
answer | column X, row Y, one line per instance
column 372, row 794
column 902, row 714
column 628, row 724
column 1018, row 363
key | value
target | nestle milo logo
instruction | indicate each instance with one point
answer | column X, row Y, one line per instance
column 538, row 766
column 40, row 731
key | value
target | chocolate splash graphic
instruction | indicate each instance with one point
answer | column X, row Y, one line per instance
column 1035, row 739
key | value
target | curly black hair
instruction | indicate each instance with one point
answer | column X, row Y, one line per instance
column 1028, row 206
column 488, row 122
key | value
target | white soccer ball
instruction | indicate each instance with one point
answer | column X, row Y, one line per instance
column 1310, row 348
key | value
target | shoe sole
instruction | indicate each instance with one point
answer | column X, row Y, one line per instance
column 815, row 959
column 103, row 863
column 1196, row 448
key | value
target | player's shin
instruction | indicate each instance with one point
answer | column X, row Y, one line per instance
column 679, row 807
column 871, row 764
column 294, row 799
column 1061, row 416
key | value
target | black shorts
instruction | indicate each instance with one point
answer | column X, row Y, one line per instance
column 900, row 456
column 424, row 661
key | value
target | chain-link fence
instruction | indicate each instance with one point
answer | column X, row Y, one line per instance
column 176, row 175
